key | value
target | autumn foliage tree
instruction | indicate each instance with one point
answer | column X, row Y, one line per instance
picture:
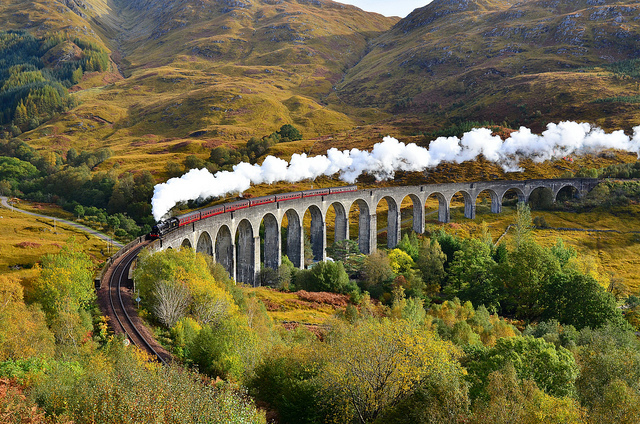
column 374, row 365
column 23, row 329
column 514, row 400
column 552, row 368
column 65, row 291
column 175, row 283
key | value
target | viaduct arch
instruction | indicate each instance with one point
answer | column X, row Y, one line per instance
column 233, row 238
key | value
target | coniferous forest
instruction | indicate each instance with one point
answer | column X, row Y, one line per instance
column 30, row 92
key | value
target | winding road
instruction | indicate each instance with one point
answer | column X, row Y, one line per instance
column 4, row 201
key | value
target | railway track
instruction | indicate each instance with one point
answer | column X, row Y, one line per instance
column 124, row 319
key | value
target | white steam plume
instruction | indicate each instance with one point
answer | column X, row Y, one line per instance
column 558, row 140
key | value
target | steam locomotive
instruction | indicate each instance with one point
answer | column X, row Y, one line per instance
column 165, row 226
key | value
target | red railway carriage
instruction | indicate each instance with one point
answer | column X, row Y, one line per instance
column 163, row 227
column 288, row 196
column 345, row 189
column 262, row 200
column 316, row 192
column 188, row 218
column 214, row 210
column 234, row 206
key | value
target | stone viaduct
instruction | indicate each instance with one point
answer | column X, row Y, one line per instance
column 234, row 239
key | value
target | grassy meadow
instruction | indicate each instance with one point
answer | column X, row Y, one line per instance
column 25, row 239
column 299, row 307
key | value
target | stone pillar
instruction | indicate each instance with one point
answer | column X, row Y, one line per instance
column 324, row 240
column 224, row 252
column 245, row 257
column 373, row 233
column 256, row 259
column 295, row 237
column 364, row 227
column 272, row 240
column 231, row 266
column 318, row 235
column 444, row 211
column 469, row 208
column 496, row 204
column 418, row 216
column 341, row 224
column 393, row 224
column 523, row 195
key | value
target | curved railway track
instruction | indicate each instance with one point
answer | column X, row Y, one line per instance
column 121, row 307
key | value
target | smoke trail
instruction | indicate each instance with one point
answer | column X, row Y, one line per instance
column 389, row 156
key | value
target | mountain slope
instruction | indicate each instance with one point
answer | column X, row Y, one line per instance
column 223, row 69
column 200, row 73
column 39, row 17
column 524, row 62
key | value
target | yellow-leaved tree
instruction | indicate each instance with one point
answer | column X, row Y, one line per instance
column 400, row 261
column 176, row 283
column 375, row 364
column 23, row 329
column 66, row 280
column 65, row 291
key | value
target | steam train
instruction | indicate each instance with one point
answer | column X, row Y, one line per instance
column 165, row 226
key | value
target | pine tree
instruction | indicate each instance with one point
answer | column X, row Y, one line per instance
column 76, row 76
column 32, row 109
column 21, row 117
column 523, row 224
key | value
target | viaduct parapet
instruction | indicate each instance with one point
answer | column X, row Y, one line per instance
column 234, row 240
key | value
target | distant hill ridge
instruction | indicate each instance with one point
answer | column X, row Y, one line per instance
column 463, row 51
column 227, row 70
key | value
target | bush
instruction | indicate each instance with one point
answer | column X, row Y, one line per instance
column 289, row 133
column 540, row 222
column 268, row 277
column 230, row 350
column 325, row 277
column 120, row 386
column 286, row 379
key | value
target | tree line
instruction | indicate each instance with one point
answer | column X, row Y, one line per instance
column 120, row 200
column 525, row 282
column 223, row 158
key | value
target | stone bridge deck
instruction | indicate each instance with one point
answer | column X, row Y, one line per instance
column 234, row 240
